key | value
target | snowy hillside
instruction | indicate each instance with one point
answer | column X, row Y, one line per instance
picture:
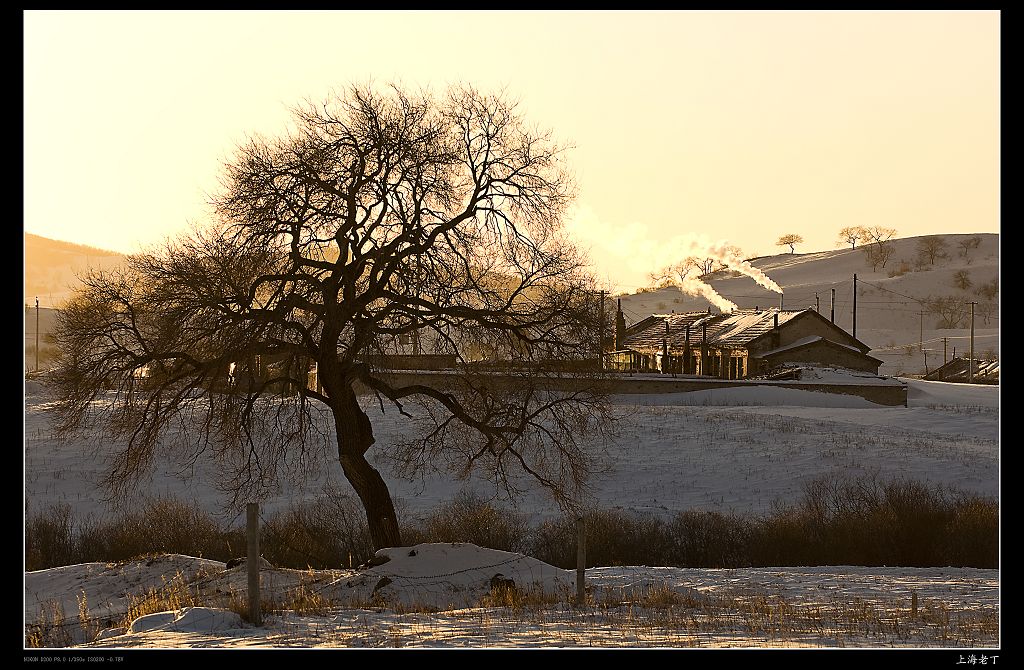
column 52, row 268
column 888, row 307
column 731, row 450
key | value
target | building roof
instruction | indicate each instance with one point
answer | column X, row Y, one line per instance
column 985, row 371
column 730, row 329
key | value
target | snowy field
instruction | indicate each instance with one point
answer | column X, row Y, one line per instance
column 673, row 453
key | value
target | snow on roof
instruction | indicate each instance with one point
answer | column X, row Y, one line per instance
column 729, row 329
column 804, row 341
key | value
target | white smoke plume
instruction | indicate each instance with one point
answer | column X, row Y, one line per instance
column 633, row 246
column 722, row 251
column 692, row 286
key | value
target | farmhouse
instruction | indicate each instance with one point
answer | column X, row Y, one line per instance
column 737, row 344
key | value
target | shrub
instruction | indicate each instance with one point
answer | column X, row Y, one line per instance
column 159, row 526
column 471, row 518
column 329, row 532
column 865, row 521
column 613, row 537
column 705, row 539
column 835, row 521
column 50, row 538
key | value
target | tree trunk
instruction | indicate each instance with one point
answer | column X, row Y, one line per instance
column 355, row 436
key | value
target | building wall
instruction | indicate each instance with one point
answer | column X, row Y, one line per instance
column 884, row 394
column 819, row 353
column 797, row 329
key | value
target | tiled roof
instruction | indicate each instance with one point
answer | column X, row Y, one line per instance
column 731, row 329
column 956, row 371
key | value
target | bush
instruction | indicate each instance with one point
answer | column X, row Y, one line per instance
column 471, row 518
column 836, row 521
column 704, row 539
column 160, row 526
column 613, row 538
column 867, row 522
column 329, row 532
column 50, row 538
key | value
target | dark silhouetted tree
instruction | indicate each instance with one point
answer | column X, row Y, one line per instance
column 790, row 240
column 382, row 215
column 851, row 235
column 952, row 311
column 881, row 249
column 967, row 244
column 931, row 248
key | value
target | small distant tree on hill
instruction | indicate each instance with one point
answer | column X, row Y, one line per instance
column 881, row 248
column 931, row 248
column 693, row 267
column 790, row 239
column 851, row 235
column 962, row 279
column 951, row 310
column 987, row 310
column 989, row 290
column 967, row 244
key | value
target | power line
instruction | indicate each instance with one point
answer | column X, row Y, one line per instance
column 934, row 339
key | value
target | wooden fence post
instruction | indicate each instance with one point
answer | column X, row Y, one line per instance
column 252, row 562
column 581, row 561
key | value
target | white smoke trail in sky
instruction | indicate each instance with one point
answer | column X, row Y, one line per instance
column 692, row 286
column 722, row 251
column 633, row 247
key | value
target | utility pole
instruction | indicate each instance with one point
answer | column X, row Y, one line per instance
column 832, row 317
column 600, row 337
column 921, row 340
column 37, row 333
column 944, row 340
column 817, row 303
column 252, row 561
column 855, row 306
column 970, row 361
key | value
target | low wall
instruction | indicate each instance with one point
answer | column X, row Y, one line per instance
column 892, row 394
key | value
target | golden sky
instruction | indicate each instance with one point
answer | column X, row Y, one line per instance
column 737, row 126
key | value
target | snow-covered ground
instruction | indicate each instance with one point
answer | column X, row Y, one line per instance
column 735, row 451
column 440, row 595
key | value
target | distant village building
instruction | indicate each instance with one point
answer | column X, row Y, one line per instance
column 986, row 371
column 738, row 344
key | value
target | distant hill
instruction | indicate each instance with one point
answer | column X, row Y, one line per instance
column 889, row 317
column 888, row 299
column 52, row 267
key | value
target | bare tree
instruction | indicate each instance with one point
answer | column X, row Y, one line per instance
column 790, row 239
column 952, row 311
column 987, row 310
column 931, row 248
column 989, row 290
column 851, row 235
column 962, row 280
column 878, row 254
column 674, row 274
column 882, row 249
column 967, row 244
column 877, row 234
column 693, row 267
column 382, row 215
